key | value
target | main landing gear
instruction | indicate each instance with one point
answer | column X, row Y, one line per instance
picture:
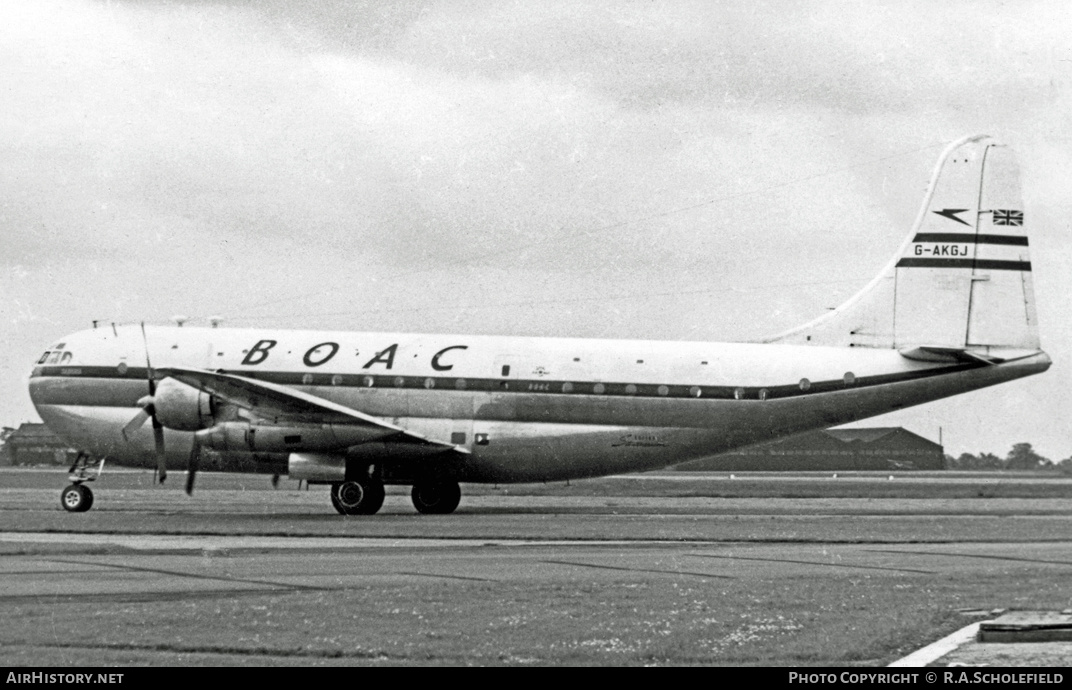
column 358, row 497
column 436, row 498
column 365, row 496
column 77, row 498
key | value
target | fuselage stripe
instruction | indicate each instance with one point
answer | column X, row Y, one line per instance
column 967, row 238
column 980, row 264
column 432, row 384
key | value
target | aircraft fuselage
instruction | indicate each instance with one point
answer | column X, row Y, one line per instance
column 525, row 409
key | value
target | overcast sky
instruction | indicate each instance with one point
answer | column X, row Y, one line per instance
column 668, row 170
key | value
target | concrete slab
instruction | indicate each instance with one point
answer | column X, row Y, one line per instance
column 1028, row 626
column 1015, row 638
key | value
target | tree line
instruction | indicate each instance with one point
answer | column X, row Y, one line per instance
column 1021, row 457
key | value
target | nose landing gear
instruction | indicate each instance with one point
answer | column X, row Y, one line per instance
column 77, row 498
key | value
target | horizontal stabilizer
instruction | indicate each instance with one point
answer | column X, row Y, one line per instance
column 934, row 353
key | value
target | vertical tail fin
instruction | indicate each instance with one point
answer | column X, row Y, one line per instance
column 962, row 278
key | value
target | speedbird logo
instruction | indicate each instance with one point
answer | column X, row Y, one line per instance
column 951, row 214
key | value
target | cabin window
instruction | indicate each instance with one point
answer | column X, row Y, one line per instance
column 460, row 384
column 368, row 381
column 630, row 389
column 805, row 384
column 664, row 390
column 598, row 389
column 695, row 391
column 457, row 438
column 763, row 393
column 738, row 393
column 506, row 370
column 399, row 381
column 307, row 379
column 567, row 387
column 850, row 378
column 54, row 357
column 44, row 357
column 480, row 439
column 429, row 383
column 336, row 379
column 291, row 440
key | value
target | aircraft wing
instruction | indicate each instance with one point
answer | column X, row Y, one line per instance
column 267, row 400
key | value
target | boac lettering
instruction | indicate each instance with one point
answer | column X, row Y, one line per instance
column 385, row 356
column 445, row 367
column 308, row 358
column 259, row 352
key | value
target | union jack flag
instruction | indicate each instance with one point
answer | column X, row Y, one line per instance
column 1008, row 217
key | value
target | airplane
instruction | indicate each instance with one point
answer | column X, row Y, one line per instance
column 952, row 312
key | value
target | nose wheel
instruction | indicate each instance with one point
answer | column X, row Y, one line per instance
column 76, row 498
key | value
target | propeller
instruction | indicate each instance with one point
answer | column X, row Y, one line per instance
column 148, row 411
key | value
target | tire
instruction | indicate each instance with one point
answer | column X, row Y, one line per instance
column 76, row 498
column 357, row 497
column 436, row 498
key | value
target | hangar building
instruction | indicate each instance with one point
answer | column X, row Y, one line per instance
column 34, row 444
column 881, row 449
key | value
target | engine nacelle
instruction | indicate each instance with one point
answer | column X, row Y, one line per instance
column 182, row 407
column 316, row 467
column 271, row 438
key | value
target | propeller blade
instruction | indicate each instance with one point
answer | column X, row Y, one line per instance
column 161, row 460
column 148, row 364
column 135, row 424
column 158, row 429
column 192, row 465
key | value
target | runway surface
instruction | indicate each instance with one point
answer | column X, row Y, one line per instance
column 259, row 577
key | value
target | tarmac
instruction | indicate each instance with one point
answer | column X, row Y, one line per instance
column 158, row 551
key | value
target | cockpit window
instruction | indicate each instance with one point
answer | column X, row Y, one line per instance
column 56, row 356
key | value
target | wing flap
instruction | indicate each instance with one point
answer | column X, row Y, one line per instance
column 265, row 399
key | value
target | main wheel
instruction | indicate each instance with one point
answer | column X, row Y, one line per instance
column 357, row 497
column 76, row 498
column 436, row 498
